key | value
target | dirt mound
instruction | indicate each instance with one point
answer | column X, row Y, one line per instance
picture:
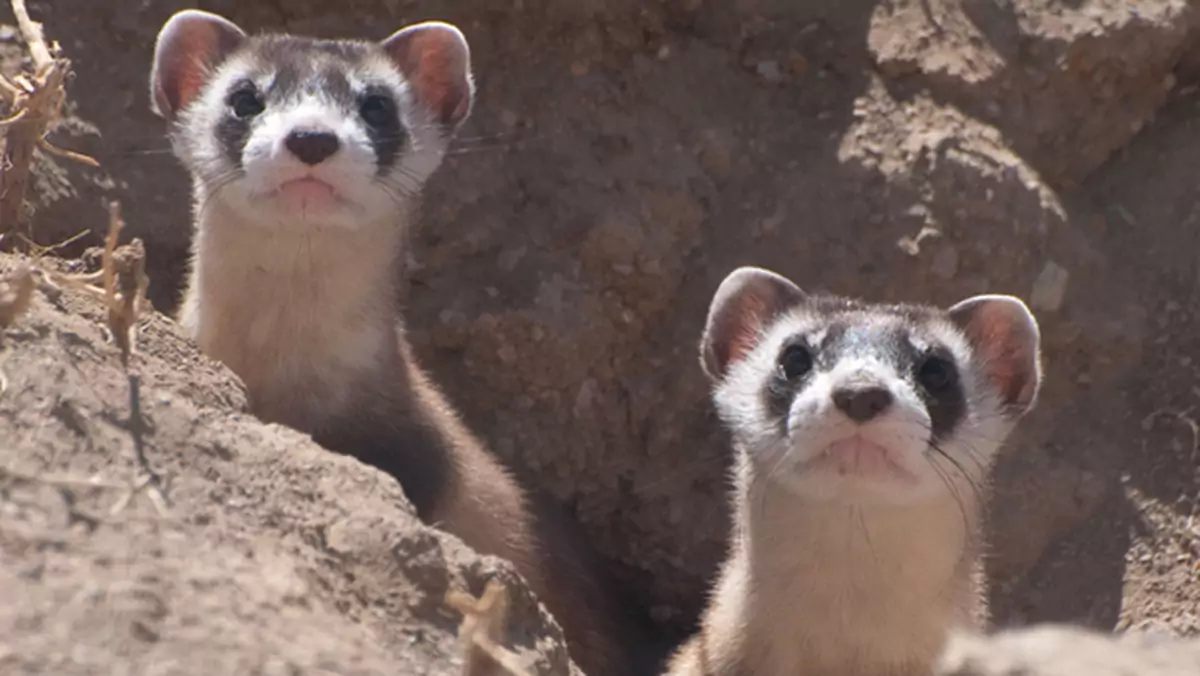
column 624, row 156
column 169, row 532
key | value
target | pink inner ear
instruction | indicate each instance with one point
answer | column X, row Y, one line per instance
column 748, row 323
column 190, row 75
column 433, row 64
column 748, row 299
column 1004, row 357
column 1003, row 365
column 735, row 334
column 189, row 46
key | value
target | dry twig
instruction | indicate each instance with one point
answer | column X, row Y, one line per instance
column 123, row 273
column 482, row 626
column 35, row 103
column 125, row 284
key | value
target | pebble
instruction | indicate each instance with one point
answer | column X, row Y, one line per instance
column 1050, row 288
column 770, row 71
column 945, row 263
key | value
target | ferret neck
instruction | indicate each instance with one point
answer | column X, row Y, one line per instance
column 332, row 252
column 786, row 536
column 819, row 584
column 305, row 317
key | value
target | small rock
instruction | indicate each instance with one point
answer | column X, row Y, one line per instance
column 509, row 258
column 585, row 398
column 770, row 224
column 1050, row 288
column 769, row 71
column 716, row 153
column 798, row 65
column 507, row 354
column 945, row 263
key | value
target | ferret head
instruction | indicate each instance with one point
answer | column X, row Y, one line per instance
column 838, row 400
column 291, row 131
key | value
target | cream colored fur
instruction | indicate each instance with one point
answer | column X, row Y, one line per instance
column 336, row 288
column 259, row 286
column 834, row 590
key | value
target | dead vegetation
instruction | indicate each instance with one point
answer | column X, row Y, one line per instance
column 481, row 628
column 35, row 103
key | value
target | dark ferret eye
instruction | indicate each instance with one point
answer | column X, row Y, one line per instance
column 937, row 374
column 246, row 102
column 377, row 110
column 795, row 362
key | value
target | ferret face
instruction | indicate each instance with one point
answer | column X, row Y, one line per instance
column 861, row 405
column 303, row 132
column 841, row 401
column 290, row 132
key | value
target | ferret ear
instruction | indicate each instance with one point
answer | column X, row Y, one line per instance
column 436, row 61
column 189, row 46
column 742, row 307
column 1005, row 337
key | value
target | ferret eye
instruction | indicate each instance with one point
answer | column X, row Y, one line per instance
column 795, row 362
column 936, row 374
column 246, row 103
column 377, row 110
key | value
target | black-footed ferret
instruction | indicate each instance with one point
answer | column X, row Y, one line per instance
column 865, row 434
column 307, row 158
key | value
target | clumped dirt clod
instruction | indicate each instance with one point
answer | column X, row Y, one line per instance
column 16, row 291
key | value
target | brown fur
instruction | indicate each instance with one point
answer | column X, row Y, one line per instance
column 321, row 348
column 301, row 304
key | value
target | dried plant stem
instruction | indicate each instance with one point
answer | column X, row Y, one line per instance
column 482, row 624
column 35, row 103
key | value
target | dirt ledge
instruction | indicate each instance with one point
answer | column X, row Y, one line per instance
column 273, row 556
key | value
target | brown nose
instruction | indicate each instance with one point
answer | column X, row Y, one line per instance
column 312, row 147
column 860, row 403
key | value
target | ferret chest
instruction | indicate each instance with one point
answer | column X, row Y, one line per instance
column 844, row 591
column 301, row 325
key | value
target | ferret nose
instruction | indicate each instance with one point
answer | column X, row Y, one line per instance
column 312, row 146
column 862, row 402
